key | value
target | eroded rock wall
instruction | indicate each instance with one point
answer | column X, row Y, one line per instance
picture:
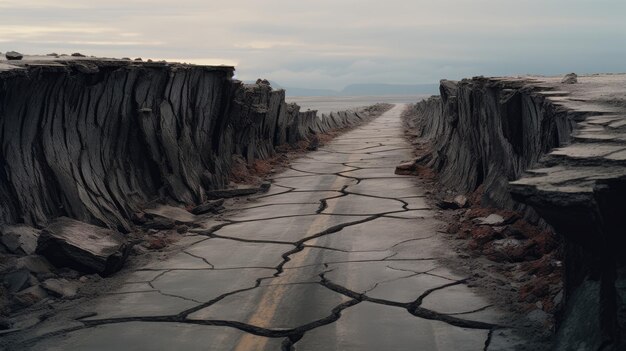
column 94, row 140
column 486, row 132
column 553, row 149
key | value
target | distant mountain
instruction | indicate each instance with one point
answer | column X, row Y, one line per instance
column 389, row 89
column 362, row 90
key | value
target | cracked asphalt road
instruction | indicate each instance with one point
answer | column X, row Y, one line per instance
column 341, row 254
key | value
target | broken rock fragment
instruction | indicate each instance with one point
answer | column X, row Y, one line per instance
column 570, row 78
column 406, row 168
column 87, row 248
column 19, row 238
column 459, row 201
column 209, row 206
column 176, row 214
column 492, row 219
column 13, row 55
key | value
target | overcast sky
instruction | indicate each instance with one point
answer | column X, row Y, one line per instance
column 332, row 43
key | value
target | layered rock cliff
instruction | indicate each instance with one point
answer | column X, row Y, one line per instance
column 95, row 139
column 500, row 134
column 486, row 132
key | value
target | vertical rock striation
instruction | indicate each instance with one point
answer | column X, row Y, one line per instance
column 486, row 132
column 501, row 134
column 94, row 139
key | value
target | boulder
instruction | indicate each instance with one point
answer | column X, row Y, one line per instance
column 13, row 55
column 78, row 54
column 87, row 248
column 570, row 78
column 19, row 238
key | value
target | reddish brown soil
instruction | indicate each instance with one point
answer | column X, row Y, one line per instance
column 533, row 263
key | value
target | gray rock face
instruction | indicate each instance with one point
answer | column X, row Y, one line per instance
column 88, row 248
column 131, row 132
column 555, row 149
column 487, row 131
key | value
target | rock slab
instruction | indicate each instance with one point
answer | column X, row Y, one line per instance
column 70, row 243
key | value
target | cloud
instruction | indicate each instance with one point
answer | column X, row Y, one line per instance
column 332, row 43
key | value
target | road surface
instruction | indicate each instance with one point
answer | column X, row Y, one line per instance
column 341, row 254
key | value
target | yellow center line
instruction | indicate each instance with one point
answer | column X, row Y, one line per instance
column 267, row 307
